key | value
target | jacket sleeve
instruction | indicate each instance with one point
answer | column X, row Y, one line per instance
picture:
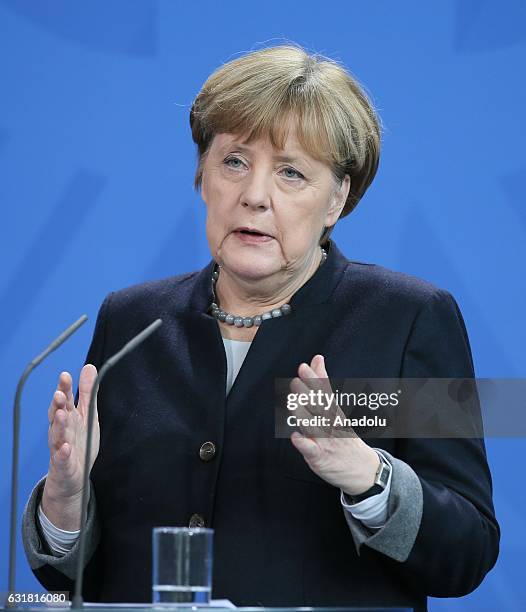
column 58, row 573
column 396, row 537
column 457, row 540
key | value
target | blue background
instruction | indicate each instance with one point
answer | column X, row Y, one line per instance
column 97, row 163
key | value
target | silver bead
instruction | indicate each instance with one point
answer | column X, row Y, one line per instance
column 229, row 319
column 248, row 321
column 214, row 306
column 257, row 320
column 276, row 313
column 266, row 315
column 221, row 315
column 238, row 321
column 285, row 309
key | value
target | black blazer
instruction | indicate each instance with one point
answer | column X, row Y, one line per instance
column 281, row 538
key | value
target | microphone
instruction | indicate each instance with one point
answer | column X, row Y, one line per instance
column 16, row 440
column 127, row 348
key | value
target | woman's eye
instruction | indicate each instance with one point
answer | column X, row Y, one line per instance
column 292, row 174
column 233, row 162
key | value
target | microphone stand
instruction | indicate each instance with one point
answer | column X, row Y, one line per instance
column 16, row 443
column 127, row 348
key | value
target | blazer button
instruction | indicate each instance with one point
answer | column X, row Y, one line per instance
column 196, row 520
column 207, row 451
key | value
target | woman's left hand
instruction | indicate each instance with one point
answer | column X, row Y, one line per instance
column 344, row 461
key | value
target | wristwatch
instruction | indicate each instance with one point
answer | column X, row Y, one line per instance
column 380, row 481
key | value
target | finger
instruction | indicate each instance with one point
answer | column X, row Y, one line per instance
column 313, row 422
column 307, row 446
column 305, row 371
column 310, row 377
column 58, row 402
column 311, row 418
column 65, row 384
column 87, row 378
column 316, row 369
column 298, row 386
column 313, row 378
column 325, row 408
column 62, row 429
column 316, row 403
column 317, row 365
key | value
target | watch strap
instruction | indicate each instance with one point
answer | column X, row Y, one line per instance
column 380, row 481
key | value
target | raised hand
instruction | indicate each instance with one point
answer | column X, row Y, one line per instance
column 344, row 461
column 61, row 499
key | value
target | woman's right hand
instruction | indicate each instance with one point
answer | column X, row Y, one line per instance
column 61, row 499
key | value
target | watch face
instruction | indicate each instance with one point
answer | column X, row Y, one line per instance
column 383, row 476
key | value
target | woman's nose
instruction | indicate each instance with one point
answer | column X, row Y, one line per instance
column 256, row 191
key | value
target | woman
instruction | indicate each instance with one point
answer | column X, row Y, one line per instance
column 288, row 144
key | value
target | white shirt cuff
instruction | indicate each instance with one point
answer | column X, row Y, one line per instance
column 373, row 511
column 60, row 541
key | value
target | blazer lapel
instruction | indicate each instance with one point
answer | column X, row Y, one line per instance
column 206, row 360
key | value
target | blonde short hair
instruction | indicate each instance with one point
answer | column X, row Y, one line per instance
column 259, row 94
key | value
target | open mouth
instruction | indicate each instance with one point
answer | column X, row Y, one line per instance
column 245, row 232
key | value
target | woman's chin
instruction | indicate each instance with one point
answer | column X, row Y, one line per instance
column 252, row 262
column 252, row 267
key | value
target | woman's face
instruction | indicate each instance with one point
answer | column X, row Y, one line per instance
column 285, row 196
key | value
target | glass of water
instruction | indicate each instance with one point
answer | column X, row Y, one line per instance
column 182, row 565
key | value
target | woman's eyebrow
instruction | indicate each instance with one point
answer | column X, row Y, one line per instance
column 291, row 159
column 237, row 145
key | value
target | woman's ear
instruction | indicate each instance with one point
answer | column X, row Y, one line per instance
column 200, row 182
column 339, row 197
column 202, row 185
